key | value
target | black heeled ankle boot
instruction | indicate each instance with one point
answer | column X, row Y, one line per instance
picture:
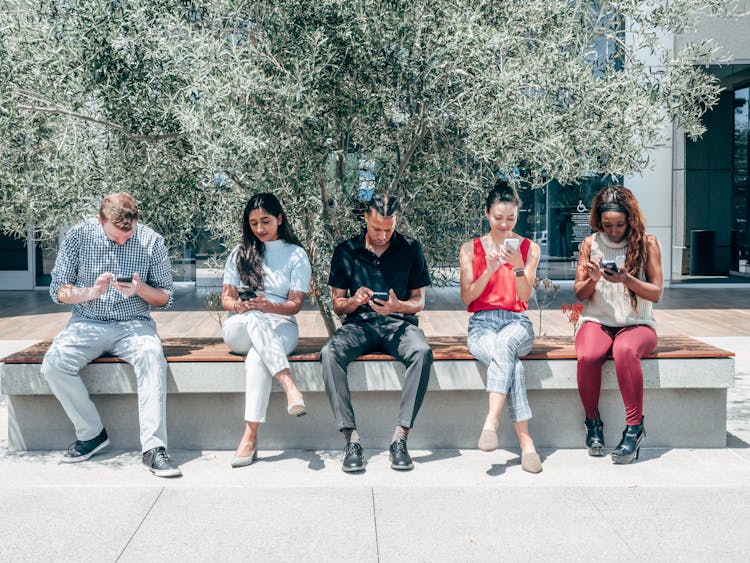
column 594, row 436
column 630, row 445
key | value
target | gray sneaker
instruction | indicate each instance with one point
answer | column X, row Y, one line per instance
column 159, row 463
column 81, row 450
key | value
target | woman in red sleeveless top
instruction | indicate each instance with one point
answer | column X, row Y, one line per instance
column 497, row 276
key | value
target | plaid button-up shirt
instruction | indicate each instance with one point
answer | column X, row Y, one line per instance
column 86, row 253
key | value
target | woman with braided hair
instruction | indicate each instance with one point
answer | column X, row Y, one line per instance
column 619, row 278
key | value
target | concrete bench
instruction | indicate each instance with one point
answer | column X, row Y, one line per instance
column 685, row 383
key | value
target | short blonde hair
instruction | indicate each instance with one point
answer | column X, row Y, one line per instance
column 120, row 209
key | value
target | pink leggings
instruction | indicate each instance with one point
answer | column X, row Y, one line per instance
column 627, row 344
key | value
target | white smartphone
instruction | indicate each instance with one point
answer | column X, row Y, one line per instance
column 512, row 243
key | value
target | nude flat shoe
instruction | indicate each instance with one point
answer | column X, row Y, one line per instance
column 487, row 440
column 245, row 461
column 531, row 462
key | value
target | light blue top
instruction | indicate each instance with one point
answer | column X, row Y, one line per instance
column 286, row 268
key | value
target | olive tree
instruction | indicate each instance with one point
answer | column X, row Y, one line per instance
column 194, row 105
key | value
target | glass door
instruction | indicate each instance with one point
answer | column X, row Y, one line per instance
column 741, row 182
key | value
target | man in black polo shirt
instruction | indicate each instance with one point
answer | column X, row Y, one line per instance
column 378, row 281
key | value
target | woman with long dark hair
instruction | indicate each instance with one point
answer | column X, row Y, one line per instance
column 497, row 275
column 619, row 277
column 266, row 280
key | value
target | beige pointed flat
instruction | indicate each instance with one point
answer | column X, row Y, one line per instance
column 487, row 440
column 531, row 462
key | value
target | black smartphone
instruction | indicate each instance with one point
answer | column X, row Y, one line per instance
column 609, row 265
column 382, row 295
column 247, row 293
column 124, row 279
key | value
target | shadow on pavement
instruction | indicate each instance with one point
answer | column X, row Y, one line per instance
column 313, row 459
column 736, row 442
column 436, row 455
column 498, row 469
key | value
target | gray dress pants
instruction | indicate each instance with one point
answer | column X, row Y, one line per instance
column 396, row 337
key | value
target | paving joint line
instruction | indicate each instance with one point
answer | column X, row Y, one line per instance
column 608, row 523
column 130, row 539
column 734, row 453
column 375, row 522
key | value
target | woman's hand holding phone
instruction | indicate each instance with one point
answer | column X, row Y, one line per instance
column 246, row 293
column 612, row 273
column 510, row 253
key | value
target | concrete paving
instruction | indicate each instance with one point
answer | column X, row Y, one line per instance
column 456, row 505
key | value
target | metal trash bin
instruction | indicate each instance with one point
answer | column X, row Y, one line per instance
column 702, row 249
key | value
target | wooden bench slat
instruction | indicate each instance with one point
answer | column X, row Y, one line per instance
column 443, row 347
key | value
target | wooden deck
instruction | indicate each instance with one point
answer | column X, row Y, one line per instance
column 444, row 348
column 29, row 315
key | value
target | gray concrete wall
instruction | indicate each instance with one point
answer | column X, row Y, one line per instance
column 685, row 405
column 732, row 35
column 677, row 418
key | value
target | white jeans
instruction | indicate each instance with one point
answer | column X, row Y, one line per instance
column 267, row 340
column 136, row 342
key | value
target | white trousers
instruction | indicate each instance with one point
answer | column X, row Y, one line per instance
column 136, row 342
column 267, row 340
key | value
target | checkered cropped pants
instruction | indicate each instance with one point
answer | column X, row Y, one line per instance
column 497, row 338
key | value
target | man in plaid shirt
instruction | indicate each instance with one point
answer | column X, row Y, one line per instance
column 112, row 269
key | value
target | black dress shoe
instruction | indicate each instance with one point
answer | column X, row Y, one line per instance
column 594, row 436
column 354, row 458
column 630, row 445
column 400, row 458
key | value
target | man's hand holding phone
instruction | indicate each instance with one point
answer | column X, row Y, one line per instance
column 384, row 303
column 127, row 285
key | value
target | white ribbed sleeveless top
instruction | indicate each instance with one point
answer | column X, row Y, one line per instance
column 610, row 303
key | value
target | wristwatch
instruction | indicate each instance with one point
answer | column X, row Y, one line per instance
column 519, row 273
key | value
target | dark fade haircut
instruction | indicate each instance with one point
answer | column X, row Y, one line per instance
column 383, row 204
column 120, row 209
column 252, row 250
column 502, row 192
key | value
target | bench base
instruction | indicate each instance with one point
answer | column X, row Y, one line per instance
column 677, row 418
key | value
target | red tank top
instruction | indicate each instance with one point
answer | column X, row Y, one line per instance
column 500, row 292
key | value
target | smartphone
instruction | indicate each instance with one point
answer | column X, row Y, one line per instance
column 609, row 265
column 124, row 279
column 512, row 243
column 382, row 295
column 247, row 293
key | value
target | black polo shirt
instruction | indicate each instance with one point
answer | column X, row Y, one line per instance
column 402, row 268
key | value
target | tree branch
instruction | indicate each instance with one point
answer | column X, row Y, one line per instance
column 413, row 146
column 123, row 130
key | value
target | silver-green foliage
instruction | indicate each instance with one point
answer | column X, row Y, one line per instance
column 194, row 105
